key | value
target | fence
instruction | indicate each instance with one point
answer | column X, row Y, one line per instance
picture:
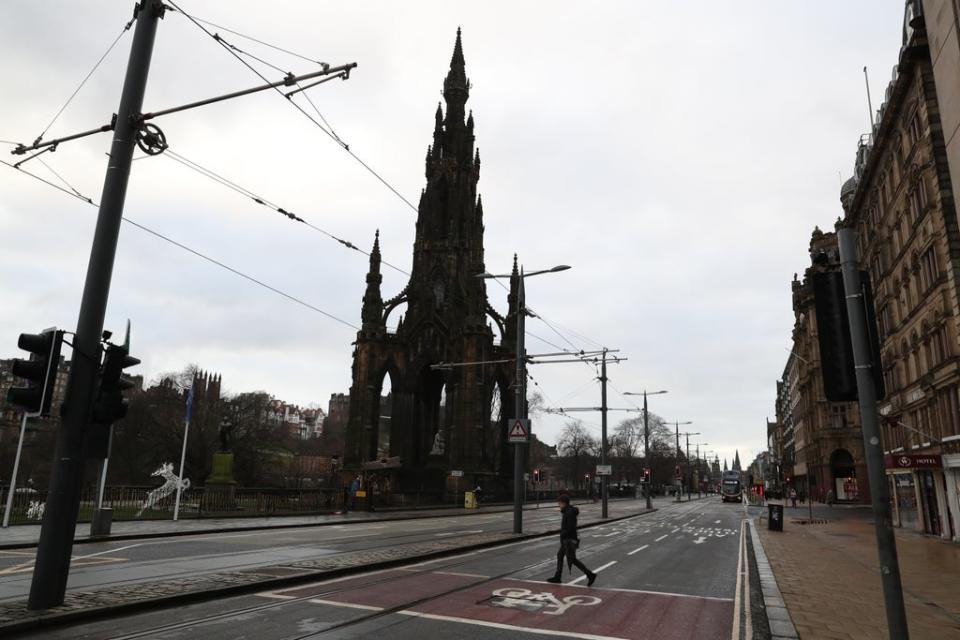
column 128, row 503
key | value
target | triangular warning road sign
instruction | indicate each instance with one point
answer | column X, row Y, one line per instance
column 518, row 429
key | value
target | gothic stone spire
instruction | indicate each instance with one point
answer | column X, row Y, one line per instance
column 372, row 311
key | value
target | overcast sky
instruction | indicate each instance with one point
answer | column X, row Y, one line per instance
column 676, row 154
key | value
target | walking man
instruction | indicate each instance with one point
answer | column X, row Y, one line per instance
column 569, row 541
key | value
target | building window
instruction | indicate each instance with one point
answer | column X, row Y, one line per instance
column 915, row 131
column 929, row 269
column 838, row 416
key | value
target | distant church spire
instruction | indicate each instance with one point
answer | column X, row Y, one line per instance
column 736, row 461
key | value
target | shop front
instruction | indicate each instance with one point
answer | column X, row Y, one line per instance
column 843, row 476
column 918, row 493
column 951, row 471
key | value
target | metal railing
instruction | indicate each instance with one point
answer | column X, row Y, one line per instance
column 127, row 503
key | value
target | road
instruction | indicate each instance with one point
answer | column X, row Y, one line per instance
column 678, row 573
column 109, row 563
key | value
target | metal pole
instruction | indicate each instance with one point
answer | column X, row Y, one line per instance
column 183, row 457
column 13, row 478
column 646, row 447
column 697, row 469
column 103, row 472
column 687, row 436
column 520, row 406
column 679, row 480
column 873, row 448
column 66, row 479
column 603, row 431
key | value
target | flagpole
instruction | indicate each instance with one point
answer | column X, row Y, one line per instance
column 183, row 454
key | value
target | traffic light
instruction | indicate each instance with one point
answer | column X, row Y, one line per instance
column 646, row 474
column 110, row 404
column 536, row 475
column 833, row 335
column 40, row 372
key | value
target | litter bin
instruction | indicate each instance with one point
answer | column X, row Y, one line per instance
column 469, row 500
column 775, row 517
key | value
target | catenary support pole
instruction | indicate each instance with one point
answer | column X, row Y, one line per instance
column 679, row 479
column 13, row 478
column 646, row 447
column 521, row 405
column 872, row 446
column 603, row 432
column 49, row 583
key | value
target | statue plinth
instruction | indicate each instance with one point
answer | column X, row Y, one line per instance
column 220, row 486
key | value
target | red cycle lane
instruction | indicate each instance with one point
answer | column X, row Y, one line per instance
column 537, row 607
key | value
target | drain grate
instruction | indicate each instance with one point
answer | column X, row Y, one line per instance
column 814, row 521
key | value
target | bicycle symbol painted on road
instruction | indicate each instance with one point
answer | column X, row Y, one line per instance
column 543, row 602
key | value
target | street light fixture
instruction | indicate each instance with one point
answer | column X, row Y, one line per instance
column 521, row 386
column 646, row 432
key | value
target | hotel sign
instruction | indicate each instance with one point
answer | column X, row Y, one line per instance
column 912, row 461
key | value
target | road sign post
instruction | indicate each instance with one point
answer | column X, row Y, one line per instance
column 519, row 432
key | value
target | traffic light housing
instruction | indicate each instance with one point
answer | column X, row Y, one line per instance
column 110, row 404
column 536, row 475
column 646, row 474
column 40, row 372
column 833, row 336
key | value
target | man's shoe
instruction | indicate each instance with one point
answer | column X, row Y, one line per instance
column 591, row 578
column 555, row 580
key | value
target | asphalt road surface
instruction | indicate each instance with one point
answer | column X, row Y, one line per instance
column 109, row 563
column 681, row 572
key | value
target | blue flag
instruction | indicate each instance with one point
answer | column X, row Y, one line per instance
column 189, row 404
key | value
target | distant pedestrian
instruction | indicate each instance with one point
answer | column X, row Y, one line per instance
column 793, row 498
column 830, row 498
column 477, row 494
column 569, row 542
column 354, row 488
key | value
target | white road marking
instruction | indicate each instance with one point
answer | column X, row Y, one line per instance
column 716, row 522
column 639, row 549
column 500, row 625
column 659, row 593
column 101, row 553
column 597, row 570
column 456, row 533
column 346, row 604
column 735, row 632
column 699, row 540
column 675, row 530
column 662, row 537
column 458, row 573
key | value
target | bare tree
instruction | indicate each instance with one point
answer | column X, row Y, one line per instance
column 578, row 447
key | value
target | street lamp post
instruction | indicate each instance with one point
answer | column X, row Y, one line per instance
column 520, row 388
column 698, row 467
column 646, row 436
column 687, row 435
column 678, row 476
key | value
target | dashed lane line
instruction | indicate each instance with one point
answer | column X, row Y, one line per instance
column 597, row 570
column 638, row 549
column 662, row 537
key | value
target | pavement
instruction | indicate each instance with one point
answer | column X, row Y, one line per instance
column 111, row 576
column 829, row 578
column 680, row 572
